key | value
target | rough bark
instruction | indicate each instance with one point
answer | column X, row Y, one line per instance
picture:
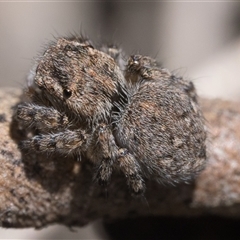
column 37, row 190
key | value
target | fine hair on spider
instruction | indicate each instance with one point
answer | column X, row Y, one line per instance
column 120, row 112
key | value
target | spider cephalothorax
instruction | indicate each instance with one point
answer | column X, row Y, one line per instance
column 139, row 119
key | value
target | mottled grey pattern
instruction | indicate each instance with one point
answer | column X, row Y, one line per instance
column 130, row 115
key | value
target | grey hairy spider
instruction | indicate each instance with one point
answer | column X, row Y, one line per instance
column 141, row 120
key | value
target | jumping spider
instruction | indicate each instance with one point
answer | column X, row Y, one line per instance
column 142, row 119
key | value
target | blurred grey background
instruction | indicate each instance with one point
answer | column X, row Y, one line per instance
column 199, row 40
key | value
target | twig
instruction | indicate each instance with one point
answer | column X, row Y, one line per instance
column 37, row 190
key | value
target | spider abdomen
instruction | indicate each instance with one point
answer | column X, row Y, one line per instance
column 164, row 131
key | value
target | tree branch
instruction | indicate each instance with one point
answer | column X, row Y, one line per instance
column 36, row 191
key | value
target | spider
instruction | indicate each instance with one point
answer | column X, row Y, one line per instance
column 130, row 115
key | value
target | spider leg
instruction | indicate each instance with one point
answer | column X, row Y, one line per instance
column 126, row 161
column 107, row 147
column 66, row 142
column 132, row 171
column 43, row 118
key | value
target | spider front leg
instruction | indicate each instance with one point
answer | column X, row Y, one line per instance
column 110, row 152
column 40, row 117
column 66, row 142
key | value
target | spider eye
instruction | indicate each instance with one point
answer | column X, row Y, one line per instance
column 67, row 93
column 136, row 62
column 69, row 47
